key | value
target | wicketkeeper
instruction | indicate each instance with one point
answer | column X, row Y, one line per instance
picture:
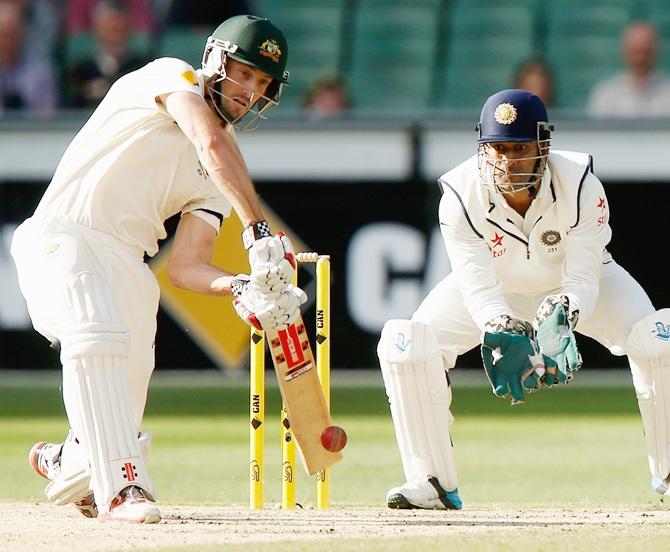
column 160, row 143
column 526, row 231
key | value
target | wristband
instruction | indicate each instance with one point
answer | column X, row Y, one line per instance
column 505, row 323
column 254, row 232
column 238, row 284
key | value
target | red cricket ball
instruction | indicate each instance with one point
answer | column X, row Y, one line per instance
column 333, row 438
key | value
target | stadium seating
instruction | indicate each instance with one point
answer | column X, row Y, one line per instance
column 482, row 53
column 658, row 12
column 314, row 32
column 394, row 54
column 184, row 43
column 409, row 57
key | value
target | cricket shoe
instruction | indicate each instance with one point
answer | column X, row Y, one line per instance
column 45, row 460
column 131, row 506
column 423, row 492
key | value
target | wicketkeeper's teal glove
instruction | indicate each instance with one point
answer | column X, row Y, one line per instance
column 553, row 332
column 513, row 364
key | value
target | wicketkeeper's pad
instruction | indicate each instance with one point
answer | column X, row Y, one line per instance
column 419, row 396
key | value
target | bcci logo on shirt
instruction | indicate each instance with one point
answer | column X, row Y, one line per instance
column 551, row 238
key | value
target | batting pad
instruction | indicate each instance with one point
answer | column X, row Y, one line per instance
column 95, row 392
column 419, row 396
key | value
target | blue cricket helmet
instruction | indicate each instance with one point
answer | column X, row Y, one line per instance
column 513, row 115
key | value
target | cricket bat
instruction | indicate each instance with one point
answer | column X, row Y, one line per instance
column 302, row 394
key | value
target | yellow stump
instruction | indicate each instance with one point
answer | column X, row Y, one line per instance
column 288, row 465
column 256, row 418
column 323, row 360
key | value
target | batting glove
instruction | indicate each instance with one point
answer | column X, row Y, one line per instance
column 263, row 311
column 273, row 263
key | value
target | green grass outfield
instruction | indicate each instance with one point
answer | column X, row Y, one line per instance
column 580, row 445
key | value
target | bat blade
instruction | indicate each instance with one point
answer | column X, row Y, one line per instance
column 302, row 394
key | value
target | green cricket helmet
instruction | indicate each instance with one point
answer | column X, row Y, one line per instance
column 256, row 42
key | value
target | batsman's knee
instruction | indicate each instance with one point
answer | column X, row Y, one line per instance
column 95, row 339
column 94, row 327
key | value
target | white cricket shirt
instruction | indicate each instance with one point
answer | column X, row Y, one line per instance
column 130, row 167
column 558, row 247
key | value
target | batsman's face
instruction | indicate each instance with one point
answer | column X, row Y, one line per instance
column 243, row 87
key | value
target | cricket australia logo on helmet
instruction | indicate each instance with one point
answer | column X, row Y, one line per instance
column 271, row 49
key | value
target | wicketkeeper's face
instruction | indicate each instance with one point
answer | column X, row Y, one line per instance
column 513, row 165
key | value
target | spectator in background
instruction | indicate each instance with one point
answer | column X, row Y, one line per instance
column 26, row 81
column 80, row 15
column 327, row 98
column 91, row 78
column 639, row 90
column 536, row 77
column 43, row 25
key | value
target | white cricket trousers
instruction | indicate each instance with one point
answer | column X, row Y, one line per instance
column 50, row 253
column 621, row 303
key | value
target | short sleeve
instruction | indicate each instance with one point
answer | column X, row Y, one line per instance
column 164, row 76
column 209, row 204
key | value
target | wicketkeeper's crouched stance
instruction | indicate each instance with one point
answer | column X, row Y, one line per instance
column 526, row 231
column 160, row 143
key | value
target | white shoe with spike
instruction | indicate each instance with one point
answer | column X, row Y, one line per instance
column 45, row 460
column 131, row 506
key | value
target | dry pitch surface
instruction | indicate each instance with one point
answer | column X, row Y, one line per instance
column 45, row 527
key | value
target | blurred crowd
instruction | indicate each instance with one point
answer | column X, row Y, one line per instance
column 57, row 54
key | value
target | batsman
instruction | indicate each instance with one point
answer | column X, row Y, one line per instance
column 161, row 143
column 526, row 230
